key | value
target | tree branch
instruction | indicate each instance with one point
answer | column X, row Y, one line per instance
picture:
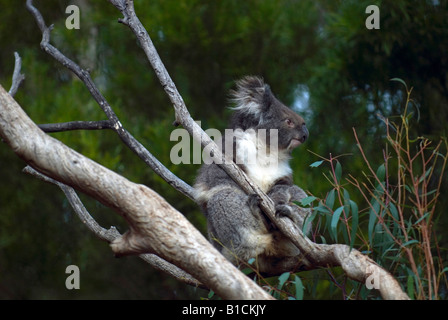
column 17, row 77
column 112, row 233
column 355, row 264
column 114, row 124
column 155, row 226
column 76, row 125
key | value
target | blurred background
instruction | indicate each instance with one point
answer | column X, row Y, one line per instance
column 318, row 57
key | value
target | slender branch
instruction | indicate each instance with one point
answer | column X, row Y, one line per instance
column 17, row 77
column 115, row 124
column 76, row 125
column 352, row 261
column 112, row 234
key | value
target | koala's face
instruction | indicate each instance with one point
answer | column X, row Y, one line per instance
column 258, row 108
column 292, row 130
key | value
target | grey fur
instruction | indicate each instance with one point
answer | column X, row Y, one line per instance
column 236, row 225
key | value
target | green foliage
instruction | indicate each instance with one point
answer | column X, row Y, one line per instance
column 396, row 222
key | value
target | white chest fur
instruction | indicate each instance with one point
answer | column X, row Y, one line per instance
column 263, row 165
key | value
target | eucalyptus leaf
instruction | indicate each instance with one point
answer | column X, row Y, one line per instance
column 299, row 287
column 316, row 164
column 282, row 279
column 307, row 200
column 354, row 211
column 338, row 172
column 330, row 199
column 334, row 222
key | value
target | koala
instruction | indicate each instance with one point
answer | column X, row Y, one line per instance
column 236, row 225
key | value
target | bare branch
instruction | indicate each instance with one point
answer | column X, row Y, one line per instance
column 76, row 125
column 114, row 124
column 112, row 233
column 355, row 264
column 155, row 226
column 17, row 77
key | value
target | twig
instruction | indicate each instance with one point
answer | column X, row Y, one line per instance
column 76, row 125
column 17, row 77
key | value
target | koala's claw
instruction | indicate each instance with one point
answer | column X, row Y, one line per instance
column 289, row 211
column 254, row 201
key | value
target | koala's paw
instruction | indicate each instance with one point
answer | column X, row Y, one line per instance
column 295, row 193
column 290, row 211
column 283, row 194
column 254, row 201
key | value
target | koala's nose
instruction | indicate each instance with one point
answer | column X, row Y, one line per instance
column 304, row 133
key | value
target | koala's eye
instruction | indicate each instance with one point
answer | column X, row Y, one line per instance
column 289, row 123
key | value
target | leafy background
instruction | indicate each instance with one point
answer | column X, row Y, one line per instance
column 318, row 57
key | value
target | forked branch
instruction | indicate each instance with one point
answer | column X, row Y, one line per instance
column 155, row 226
column 112, row 233
column 113, row 121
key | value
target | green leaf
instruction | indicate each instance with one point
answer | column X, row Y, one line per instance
column 330, row 200
column 429, row 193
column 346, row 199
column 426, row 175
column 323, row 240
column 410, row 286
column 309, row 220
column 401, row 81
column 394, row 211
column 372, row 219
column 334, row 221
column 338, row 172
column 316, row 164
column 307, row 200
column 421, row 218
column 299, row 287
column 354, row 211
column 321, row 208
column 396, row 219
column 409, row 242
column 247, row 271
column 282, row 279
column 381, row 172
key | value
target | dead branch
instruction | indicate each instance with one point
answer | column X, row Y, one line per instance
column 77, row 125
column 155, row 226
column 17, row 77
column 112, row 233
column 114, row 123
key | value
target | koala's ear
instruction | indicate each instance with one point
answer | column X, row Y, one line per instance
column 268, row 98
column 252, row 95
